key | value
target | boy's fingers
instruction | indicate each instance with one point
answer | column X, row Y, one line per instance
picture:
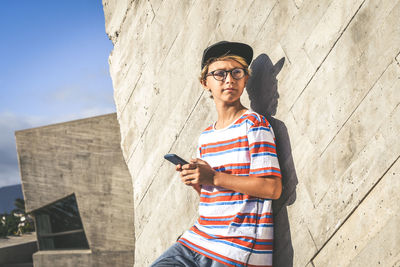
column 178, row 167
column 187, row 172
column 189, row 166
column 200, row 161
column 187, row 180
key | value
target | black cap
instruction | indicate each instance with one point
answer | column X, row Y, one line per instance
column 227, row 48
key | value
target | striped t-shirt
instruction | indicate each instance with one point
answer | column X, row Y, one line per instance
column 234, row 228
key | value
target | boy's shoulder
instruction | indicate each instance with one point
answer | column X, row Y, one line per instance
column 254, row 118
column 210, row 128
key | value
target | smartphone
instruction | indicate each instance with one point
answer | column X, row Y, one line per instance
column 175, row 159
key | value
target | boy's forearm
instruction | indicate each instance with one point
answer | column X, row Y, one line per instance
column 264, row 187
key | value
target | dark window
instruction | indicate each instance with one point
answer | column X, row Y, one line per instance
column 59, row 226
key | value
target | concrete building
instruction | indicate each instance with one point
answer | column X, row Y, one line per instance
column 326, row 74
column 16, row 251
column 77, row 185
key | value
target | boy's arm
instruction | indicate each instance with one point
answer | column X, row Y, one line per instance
column 198, row 172
column 258, row 186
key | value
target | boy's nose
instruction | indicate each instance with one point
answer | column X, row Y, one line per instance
column 229, row 77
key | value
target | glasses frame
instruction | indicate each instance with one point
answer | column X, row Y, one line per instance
column 226, row 74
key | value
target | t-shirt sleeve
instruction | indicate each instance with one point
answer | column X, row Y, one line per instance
column 262, row 148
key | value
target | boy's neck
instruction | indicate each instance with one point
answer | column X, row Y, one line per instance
column 228, row 113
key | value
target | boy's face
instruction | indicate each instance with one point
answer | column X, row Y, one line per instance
column 229, row 90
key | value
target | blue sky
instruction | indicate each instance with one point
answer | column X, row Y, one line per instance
column 54, row 68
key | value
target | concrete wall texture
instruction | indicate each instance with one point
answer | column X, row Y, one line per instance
column 82, row 157
column 326, row 74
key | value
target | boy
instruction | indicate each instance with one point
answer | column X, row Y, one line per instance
column 236, row 173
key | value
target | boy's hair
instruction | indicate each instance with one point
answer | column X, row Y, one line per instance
column 239, row 59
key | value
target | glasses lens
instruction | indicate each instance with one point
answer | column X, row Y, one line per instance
column 237, row 73
column 219, row 75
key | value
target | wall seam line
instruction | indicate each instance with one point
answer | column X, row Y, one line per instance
column 169, row 50
column 329, row 52
column 312, row 238
column 173, row 143
column 122, row 23
column 395, row 58
column 187, row 119
column 141, row 136
column 265, row 21
column 152, row 10
column 355, row 109
column 133, row 90
column 162, row 162
column 355, row 208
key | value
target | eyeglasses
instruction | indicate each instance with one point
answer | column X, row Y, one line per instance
column 221, row 75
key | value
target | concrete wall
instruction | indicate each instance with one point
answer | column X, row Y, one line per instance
column 82, row 157
column 327, row 75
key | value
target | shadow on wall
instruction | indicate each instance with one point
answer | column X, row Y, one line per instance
column 262, row 89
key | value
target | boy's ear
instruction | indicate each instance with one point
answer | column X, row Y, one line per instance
column 204, row 84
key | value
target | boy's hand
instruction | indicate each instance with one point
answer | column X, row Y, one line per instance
column 179, row 168
column 197, row 172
